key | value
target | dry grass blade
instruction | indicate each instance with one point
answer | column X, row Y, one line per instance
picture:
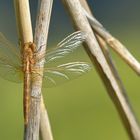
column 40, row 39
column 97, row 57
column 115, row 44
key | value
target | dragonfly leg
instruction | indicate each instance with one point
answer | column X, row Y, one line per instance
column 39, row 49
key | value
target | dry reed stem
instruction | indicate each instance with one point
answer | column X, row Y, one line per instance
column 104, row 47
column 45, row 127
column 40, row 39
column 115, row 44
column 31, row 130
column 23, row 21
column 105, row 50
column 97, row 57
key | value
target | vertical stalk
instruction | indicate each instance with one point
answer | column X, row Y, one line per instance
column 97, row 57
column 25, row 34
column 23, row 20
column 45, row 128
column 40, row 39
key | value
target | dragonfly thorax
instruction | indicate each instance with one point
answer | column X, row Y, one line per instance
column 28, row 57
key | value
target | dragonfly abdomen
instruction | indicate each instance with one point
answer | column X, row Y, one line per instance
column 28, row 62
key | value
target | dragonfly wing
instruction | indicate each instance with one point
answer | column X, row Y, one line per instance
column 9, row 53
column 64, row 72
column 10, row 61
column 11, row 73
column 57, row 71
column 65, row 47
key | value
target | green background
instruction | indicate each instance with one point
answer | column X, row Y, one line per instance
column 81, row 108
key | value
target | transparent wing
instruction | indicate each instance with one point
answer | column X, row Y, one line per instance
column 56, row 70
column 66, row 46
column 64, row 72
column 10, row 73
column 8, row 51
column 10, row 61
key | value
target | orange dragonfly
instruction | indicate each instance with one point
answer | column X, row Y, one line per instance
column 18, row 65
column 11, row 63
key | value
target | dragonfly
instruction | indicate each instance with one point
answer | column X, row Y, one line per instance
column 17, row 64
